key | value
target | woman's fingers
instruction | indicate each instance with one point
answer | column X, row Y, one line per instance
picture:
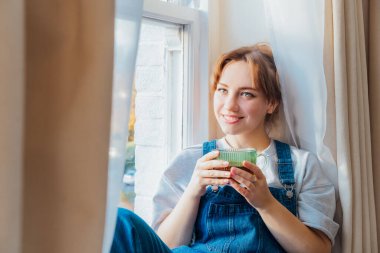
column 242, row 173
column 208, row 161
column 215, row 181
column 254, row 169
column 247, row 182
column 243, row 191
column 251, row 184
column 209, row 156
column 209, row 165
column 214, row 173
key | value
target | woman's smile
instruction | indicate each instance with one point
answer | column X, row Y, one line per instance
column 231, row 119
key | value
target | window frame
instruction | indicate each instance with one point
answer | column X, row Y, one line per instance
column 195, row 90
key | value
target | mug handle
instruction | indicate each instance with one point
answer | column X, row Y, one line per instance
column 266, row 160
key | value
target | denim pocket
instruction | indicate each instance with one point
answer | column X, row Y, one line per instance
column 233, row 226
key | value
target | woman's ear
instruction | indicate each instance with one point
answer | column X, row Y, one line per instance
column 272, row 107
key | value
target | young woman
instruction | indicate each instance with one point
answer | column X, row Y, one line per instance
column 286, row 206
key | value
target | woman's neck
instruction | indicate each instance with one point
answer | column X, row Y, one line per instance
column 239, row 141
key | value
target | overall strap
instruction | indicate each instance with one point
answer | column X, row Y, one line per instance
column 285, row 164
column 209, row 146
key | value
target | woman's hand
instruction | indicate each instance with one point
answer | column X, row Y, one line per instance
column 206, row 173
column 252, row 186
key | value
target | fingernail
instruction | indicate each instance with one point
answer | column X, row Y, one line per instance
column 227, row 174
column 225, row 163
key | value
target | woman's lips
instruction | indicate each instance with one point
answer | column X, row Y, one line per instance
column 231, row 119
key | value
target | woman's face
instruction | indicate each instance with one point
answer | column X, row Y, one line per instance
column 239, row 106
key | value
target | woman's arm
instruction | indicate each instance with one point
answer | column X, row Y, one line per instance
column 289, row 231
column 177, row 227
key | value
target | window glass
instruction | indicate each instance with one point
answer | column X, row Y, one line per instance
column 155, row 126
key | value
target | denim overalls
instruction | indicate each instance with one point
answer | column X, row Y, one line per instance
column 226, row 222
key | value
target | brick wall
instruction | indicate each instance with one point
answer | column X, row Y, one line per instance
column 150, row 117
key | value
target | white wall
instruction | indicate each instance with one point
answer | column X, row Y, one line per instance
column 233, row 24
column 242, row 23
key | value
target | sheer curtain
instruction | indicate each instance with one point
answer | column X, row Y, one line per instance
column 127, row 30
column 56, row 75
column 314, row 42
column 297, row 36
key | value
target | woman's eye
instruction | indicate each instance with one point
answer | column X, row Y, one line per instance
column 222, row 90
column 247, row 94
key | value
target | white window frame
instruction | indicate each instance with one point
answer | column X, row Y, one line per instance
column 195, row 90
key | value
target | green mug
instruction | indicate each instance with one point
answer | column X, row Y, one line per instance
column 235, row 157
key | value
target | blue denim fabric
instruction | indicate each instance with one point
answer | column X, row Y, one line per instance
column 226, row 222
column 133, row 235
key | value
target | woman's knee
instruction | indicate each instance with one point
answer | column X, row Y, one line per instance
column 125, row 216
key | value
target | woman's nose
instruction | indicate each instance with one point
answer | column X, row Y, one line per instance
column 231, row 103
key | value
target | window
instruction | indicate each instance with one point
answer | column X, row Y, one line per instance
column 155, row 122
column 167, row 98
column 188, row 3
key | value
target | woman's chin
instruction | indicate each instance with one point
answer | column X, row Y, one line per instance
column 229, row 131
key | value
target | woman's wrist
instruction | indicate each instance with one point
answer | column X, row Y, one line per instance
column 192, row 194
column 268, row 207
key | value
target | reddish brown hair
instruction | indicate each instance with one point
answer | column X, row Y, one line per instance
column 263, row 70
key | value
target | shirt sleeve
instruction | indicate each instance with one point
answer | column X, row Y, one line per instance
column 173, row 183
column 164, row 202
column 316, row 200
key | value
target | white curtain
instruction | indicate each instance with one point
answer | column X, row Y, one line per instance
column 296, row 31
column 312, row 43
column 127, row 30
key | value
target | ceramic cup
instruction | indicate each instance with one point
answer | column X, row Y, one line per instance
column 235, row 157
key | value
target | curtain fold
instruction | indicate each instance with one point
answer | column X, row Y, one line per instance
column 11, row 127
column 373, row 53
column 353, row 135
column 59, row 78
column 127, row 30
column 296, row 32
column 68, row 97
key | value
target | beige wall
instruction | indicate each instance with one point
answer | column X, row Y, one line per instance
column 234, row 24
column 11, row 118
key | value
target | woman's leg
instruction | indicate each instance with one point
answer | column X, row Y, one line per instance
column 132, row 234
